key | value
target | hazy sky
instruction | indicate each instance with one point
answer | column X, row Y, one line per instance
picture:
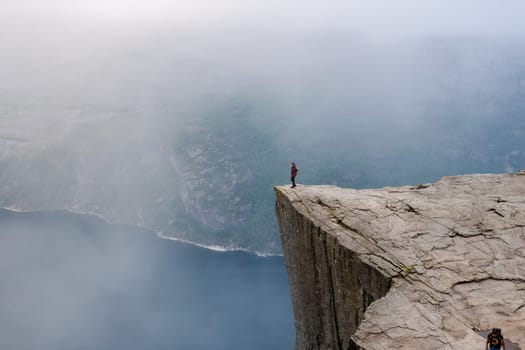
column 371, row 17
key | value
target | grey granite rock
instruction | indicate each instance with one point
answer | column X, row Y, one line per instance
column 425, row 267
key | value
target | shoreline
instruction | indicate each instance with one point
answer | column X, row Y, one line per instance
column 158, row 234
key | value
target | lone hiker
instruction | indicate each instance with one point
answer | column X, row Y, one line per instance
column 293, row 173
column 495, row 340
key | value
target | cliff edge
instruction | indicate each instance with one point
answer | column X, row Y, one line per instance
column 426, row 267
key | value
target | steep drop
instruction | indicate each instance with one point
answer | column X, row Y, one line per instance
column 423, row 267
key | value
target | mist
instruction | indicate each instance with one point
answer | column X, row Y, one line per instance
column 181, row 115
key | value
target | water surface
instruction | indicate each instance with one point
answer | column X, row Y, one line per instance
column 71, row 281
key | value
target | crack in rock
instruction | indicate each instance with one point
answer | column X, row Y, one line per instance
column 448, row 258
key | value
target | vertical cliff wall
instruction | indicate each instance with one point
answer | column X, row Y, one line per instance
column 426, row 267
column 331, row 286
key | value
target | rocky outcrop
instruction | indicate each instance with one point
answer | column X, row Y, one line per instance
column 426, row 267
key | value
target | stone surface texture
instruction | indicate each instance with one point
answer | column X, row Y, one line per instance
column 424, row 267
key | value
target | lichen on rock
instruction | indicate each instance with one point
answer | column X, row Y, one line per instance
column 424, row 267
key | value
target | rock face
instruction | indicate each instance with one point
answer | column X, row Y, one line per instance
column 426, row 267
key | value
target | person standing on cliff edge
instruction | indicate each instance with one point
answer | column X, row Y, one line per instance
column 293, row 173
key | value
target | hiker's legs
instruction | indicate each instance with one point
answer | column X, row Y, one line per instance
column 293, row 181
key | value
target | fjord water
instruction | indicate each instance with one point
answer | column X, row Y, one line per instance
column 72, row 281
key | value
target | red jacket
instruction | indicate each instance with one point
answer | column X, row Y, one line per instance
column 294, row 170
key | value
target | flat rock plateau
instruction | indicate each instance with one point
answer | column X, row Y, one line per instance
column 432, row 266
